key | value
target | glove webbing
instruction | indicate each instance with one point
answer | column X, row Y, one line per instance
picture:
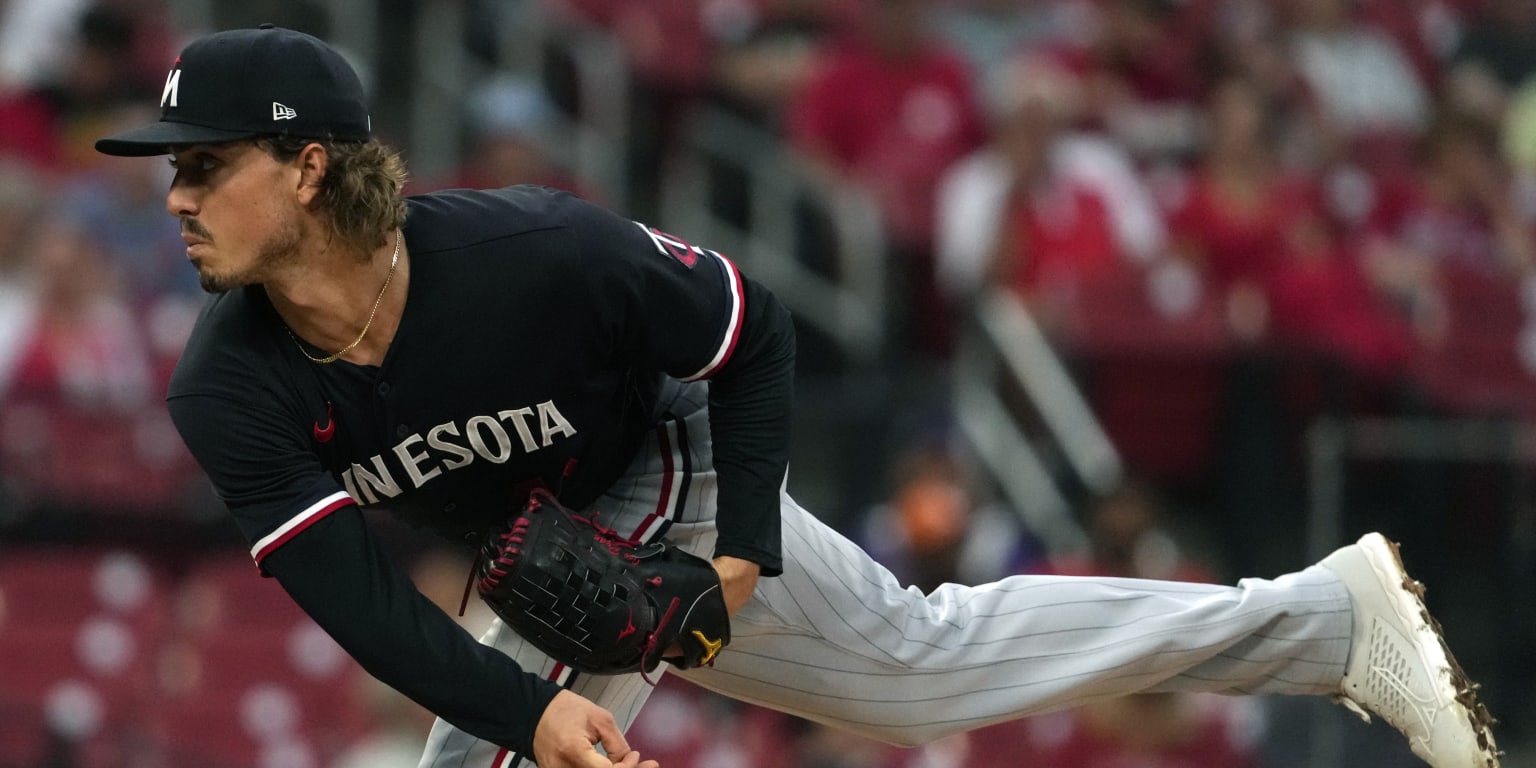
column 621, row 546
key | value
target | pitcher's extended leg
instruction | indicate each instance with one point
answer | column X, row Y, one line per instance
column 837, row 640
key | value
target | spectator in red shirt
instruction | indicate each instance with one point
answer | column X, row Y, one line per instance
column 79, row 345
column 1458, row 211
column 1241, row 214
column 1057, row 234
column 1067, row 202
column 1261, row 237
column 887, row 111
column 52, row 123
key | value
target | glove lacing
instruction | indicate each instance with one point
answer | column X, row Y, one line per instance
column 624, row 546
column 618, row 545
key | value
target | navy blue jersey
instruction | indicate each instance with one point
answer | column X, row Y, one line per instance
column 528, row 353
column 534, row 336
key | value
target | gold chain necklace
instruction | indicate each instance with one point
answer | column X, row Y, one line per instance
column 393, row 262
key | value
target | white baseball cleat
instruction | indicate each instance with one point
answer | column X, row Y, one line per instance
column 1399, row 666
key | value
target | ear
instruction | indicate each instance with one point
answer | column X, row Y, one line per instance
column 312, row 163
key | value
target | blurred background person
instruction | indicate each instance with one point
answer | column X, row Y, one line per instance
column 1497, row 48
column 79, row 345
column 1458, row 210
column 1043, row 204
column 989, row 33
column 109, row 57
column 118, row 203
column 766, row 57
column 511, row 124
column 1137, row 61
column 1362, row 84
column 934, row 530
column 887, row 110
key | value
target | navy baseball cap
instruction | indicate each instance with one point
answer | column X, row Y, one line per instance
column 243, row 83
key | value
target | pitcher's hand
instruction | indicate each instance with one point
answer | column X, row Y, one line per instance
column 570, row 729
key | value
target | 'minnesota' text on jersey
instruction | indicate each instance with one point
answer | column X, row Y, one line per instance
column 571, row 316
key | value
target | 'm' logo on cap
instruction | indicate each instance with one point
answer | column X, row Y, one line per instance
column 282, row 112
column 172, row 88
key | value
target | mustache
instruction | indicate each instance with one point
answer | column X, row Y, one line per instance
column 195, row 227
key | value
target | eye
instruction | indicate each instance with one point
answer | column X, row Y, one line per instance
column 199, row 164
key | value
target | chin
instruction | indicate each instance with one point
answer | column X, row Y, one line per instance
column 214, row 283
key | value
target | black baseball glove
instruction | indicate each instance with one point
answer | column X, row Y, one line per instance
column 598, row 602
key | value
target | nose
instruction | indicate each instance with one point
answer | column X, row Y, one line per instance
column 180, row 201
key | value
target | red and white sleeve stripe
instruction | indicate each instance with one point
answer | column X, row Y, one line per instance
column 732, row 328
column 312, row 514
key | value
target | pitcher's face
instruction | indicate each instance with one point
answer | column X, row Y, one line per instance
column 239, row 209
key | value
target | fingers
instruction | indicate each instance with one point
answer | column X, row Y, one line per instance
column 612, row 739
column 580, row 754
column 570, row 729
column 590, row 758
column 632, row 760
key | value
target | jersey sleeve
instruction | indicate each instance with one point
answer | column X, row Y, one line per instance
column 677, row 305
column 690, row 313
column 260, row 464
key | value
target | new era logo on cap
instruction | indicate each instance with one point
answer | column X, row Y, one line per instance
column 245, row 83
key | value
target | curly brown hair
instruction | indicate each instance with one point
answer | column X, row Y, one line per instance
column 362, row 188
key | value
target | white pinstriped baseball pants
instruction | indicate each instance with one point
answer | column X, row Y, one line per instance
column 837, row 640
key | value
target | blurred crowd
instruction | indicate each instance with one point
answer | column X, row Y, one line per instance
column 1230, row 216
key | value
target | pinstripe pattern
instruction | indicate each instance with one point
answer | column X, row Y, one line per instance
column 838, row 640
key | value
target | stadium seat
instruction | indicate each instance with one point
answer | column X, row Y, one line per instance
column 61, row 587
column 235, row 693
column 226, row 591
column 1479, row 367
column 87, row 683
column 23, row 733
column 106, row 462
column 1166, row 313
column 1152, row 355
